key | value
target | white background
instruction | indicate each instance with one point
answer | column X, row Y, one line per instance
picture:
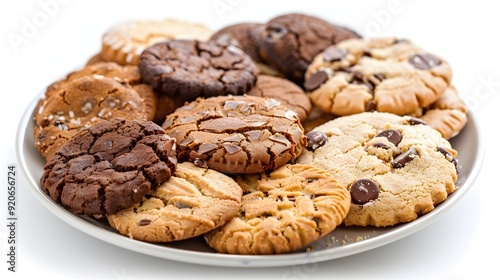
column 462, row 244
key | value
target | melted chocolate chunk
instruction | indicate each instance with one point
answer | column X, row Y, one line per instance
column 416, row 121
column 448, row 156
column 315, row 139
column 315, row 80
column 363, row 191
column 332, row 54
column 392, row 135
column 424, row 61
column 370, row 106
column 144, row 222
column 404, row 158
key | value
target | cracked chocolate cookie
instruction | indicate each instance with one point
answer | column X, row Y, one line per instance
column 236, row 134
column 109, row 166
column 289, row 43
column 124, row 42
column 376, row 74
column 187, row 69
column 192, row 202
column 80, row 103
column 243, row 36
column 283, row 90
column 448, row 115
column 282, row 211
column 396, row 168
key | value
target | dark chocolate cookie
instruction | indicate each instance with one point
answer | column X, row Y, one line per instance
column 241, row 35
column 188, row 69
column 284, row 91
column 288, row 43
column 109, row 166
column 236, row 134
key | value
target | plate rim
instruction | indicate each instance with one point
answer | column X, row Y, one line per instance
column 227, row 260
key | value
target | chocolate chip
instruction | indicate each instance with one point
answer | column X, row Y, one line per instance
column 370, row 106
column 332, row 54
column 144, row 222
column 379, row 76
column 181, row 205
column 416, row 121
column 364, row 190
column 381, row 145
column 274, row 32
column 392, row 135
column 315, row 139
column 401, row 160
column 424, row 61
column 358, row 78
column 448, row 156
column 315, row 80
column 367, row 53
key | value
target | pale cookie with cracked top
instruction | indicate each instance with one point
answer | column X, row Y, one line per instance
column 124, row 42
column 376, row 74
column 395, row 167
column 192, row 202
column 282, row 211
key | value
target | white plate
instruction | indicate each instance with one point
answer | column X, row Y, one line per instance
column 343, row 241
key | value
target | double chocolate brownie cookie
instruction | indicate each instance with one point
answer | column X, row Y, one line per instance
column 80, row 103
column 240, row 35
column 396, row 168
column 244, row 36
column 236, row 134
column 109, row 166
column 381, row 74
column 187, row 69
column 286, row 92
column 289, row 43
column 448, row 115
column 192, row 202
column 282, row 211
column 124, row 42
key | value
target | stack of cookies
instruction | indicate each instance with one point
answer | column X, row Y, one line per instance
column 261, row 137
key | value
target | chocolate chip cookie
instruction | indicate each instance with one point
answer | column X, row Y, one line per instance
column 80, row 103
column 286, row 92
column 236, row 134
column 376, row 74
column 396, row 168
column 124, row 42
column 124, row 74
column 188, row 69
column 282, row 211
column 192, row 202
column 289, row 43
column 109, row 166
column 448, row 115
